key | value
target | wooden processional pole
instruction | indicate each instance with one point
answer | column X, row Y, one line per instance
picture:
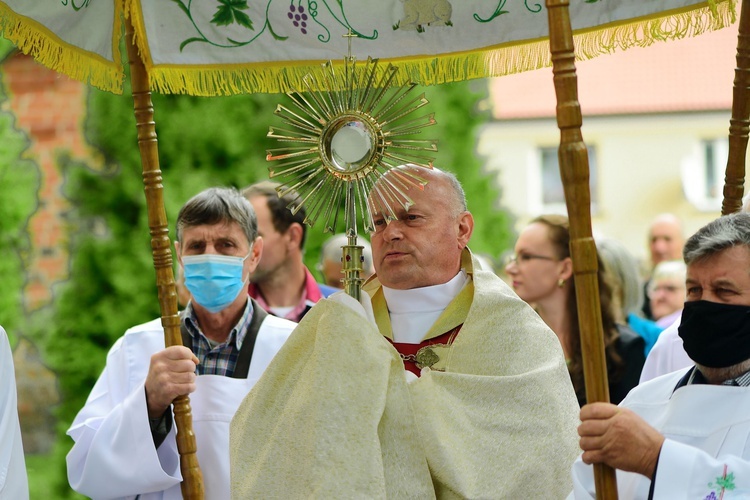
column 739, row 123
column 192, row 479
column 574, row 170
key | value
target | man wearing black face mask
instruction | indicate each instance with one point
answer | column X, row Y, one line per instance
column 125, row 444
column 687, row 434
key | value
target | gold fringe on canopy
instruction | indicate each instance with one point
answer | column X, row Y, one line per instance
column 488, row 62
column 677, row 25
column 285, row 76
column 609, row 38
column 48, row 49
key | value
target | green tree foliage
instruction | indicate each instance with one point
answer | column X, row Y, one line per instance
column 456, row 107
column 202, row 142
column 19, row 186
column 6, row 48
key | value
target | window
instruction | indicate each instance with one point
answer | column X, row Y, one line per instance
column 553, row 194
column 703, row 174
column 714, row 152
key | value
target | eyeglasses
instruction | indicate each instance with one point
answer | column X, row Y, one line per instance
column 522, row 258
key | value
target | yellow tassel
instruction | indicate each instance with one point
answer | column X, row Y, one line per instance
column 43, row 45
column 33, row 38
column 134, row 13
column 496, row 61
column 642, row 33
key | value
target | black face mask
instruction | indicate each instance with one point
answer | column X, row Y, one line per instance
column 715, row 335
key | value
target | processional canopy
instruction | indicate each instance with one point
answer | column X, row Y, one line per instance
column 220, row 48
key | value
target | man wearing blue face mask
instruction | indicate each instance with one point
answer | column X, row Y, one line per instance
column 686, row 434
column 125, row 436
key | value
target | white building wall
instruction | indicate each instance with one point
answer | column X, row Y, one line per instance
column 640, row 160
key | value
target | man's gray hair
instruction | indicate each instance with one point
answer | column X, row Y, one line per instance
column 218, row 205
column 718, row 235
column 458, row 189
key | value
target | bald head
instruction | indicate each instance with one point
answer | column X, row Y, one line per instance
column 419, row 245
column 444, row 186
column 665, row 239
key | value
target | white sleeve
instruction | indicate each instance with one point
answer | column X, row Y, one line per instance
column 667, row 355
column 583, row 481
column 688, row 472
column 114, row 454
column 683, row 472
column 13, row 481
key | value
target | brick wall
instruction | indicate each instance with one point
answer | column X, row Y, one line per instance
column 50, row 109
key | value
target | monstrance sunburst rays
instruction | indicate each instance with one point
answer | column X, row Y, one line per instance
column 345, row 132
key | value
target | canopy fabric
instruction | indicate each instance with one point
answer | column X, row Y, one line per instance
column 224, row 47
column 78, row 38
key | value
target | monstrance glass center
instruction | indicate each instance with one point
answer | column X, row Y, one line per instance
column 348, row 144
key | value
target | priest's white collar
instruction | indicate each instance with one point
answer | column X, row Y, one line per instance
column 413, row 312
column 425, row 299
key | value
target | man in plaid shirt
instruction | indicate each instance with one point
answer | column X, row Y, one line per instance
column 124, row 436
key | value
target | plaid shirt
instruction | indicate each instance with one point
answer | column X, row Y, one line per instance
column 221, row 359
column 742, row 380
column 696, row 377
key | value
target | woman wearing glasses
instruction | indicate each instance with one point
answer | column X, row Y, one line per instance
column 541, row 272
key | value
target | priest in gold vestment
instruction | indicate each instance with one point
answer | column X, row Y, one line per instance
column 439, row 383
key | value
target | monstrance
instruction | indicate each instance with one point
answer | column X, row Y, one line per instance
column 346, row 130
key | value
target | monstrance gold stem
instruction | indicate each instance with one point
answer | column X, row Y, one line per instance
column 351, row 254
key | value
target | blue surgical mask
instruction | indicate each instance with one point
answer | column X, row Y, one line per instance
column 214, row 280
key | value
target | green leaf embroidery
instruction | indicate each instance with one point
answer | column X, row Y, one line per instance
column 498, row 12
column 726, row 482
column 277, row 37
column 191, row 40
column 230, row 11
column 183, row 7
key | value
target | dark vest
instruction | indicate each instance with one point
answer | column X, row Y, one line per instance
column 242, row 366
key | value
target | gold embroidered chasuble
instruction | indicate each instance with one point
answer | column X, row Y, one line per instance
column 333, row 415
